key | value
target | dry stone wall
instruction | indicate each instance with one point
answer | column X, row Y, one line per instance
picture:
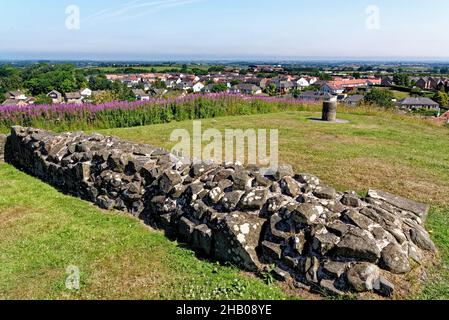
column 307, row 232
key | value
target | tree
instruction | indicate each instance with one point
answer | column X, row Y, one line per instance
column 271, row 89
column 104, row 97
column 159, row 84
column 296, row 93
column 99, row 83
column 401, row 80
column 380, row 97
column 441, row 98
column 220, row 87
column 43, row 99
column 416, row 92
column 122, row 92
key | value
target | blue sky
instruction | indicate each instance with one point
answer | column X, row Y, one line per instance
column 171, row 29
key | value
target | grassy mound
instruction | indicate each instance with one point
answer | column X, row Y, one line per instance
column 42, row 231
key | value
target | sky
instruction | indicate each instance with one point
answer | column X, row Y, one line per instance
column 224, row 29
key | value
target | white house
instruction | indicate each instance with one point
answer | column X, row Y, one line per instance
column 303, row 83
column 86, row 92
column 197, row 87
column 332, row 89
column 312, row 80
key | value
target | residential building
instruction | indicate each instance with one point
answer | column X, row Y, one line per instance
column 86, row 92
column 354, row 100
column 197, row 87
column 315, row 96
column 387, row 81
column 302, row 83
column 141, row 95
column 55, row 96
column 415, row 103
column 158, row 92
column 332, row 88
column 15, row 95
column 246, row 88
column 184, row 85
column 73, row 98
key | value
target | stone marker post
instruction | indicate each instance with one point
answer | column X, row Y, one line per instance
column 330, row 111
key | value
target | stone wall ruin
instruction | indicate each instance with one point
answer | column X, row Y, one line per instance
column 320, row 239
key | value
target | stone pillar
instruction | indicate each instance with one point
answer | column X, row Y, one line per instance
column 330, row 111
column 2, row 147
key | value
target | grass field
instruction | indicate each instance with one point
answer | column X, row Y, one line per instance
column 399, row 95
column 42, row 231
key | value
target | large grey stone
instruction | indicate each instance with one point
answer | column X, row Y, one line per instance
column 394, row 259
column 237, row 239
column 420, row 209
column 358, row 245
column 363, row 277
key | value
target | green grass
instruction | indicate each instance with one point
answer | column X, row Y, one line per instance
column 399, row 95
column 46, row 231
column 42, row 232
column 399, row 154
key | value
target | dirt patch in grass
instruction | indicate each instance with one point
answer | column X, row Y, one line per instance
column 11, row 216
column 129, row 275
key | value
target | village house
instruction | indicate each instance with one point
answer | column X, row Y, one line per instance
column 197, row 87
column 286, row 86
column 339, row 85
column 264, row 83
column 246, row 88
column 354, row 100
column 412, row 103
column 170, row 83
column 55, row 96
column 157, row 92
column 332, row 88
column 15, row 95
column 184, row 86
column 312, row 80
column 73, row 98
column 302, row 83
column 315, row 96
column 387, row 81
column 141, row 95
column 432, row 83
column 86, row 92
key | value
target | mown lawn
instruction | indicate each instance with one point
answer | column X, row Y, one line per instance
column 395, row 153
column 42, row 231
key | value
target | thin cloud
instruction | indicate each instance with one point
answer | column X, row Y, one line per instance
column 128, row 10
column 104, row 12
column 160, row 8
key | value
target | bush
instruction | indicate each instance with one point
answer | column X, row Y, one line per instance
column 63, row 117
